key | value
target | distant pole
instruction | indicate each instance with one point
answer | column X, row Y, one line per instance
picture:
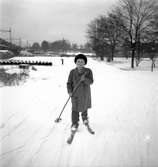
column 147, row 141
column 10, row 35
column 148, row 153
column 20, row 42
column 27, row 45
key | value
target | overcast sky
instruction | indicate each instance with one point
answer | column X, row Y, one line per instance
column 38, row 20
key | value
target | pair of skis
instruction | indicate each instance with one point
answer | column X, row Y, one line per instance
column 73, row 132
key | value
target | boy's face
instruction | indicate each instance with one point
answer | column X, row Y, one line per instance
column 80, row 63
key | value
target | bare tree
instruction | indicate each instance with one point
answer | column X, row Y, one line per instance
column 104, row 33
column 136, row 16
column 36, row 46
column 111, row 31
column 96, row 38
column 45, row 45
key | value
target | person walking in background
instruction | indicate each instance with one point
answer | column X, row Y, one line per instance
column 79, row 80
column 62, row 61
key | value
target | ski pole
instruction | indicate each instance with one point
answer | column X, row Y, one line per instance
column 77, row 86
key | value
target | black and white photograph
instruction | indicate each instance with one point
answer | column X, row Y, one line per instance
column 78, row 83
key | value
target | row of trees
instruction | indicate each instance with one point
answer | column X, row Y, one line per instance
column 59, row 46
column 131, row 26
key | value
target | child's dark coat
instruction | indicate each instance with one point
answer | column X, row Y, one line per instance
column 81, row 100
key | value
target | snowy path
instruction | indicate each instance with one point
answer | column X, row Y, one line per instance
column 124, row 116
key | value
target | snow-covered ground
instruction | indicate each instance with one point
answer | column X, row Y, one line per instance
column 124, row 115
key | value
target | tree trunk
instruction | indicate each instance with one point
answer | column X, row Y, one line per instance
column 133, row 47
column 101, row 58
column 112, row 53
column 132, row 58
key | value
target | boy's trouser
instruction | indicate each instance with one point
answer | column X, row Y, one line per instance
column 75, row 117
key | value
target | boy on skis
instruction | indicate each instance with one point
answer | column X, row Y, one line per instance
column 78, row 87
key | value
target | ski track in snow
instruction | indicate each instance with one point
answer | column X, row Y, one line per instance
column 124, row 116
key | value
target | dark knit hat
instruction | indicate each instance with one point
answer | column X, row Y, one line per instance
column 80, row 56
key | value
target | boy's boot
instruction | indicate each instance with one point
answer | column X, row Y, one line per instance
column 74, row 128
column 86, row 123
